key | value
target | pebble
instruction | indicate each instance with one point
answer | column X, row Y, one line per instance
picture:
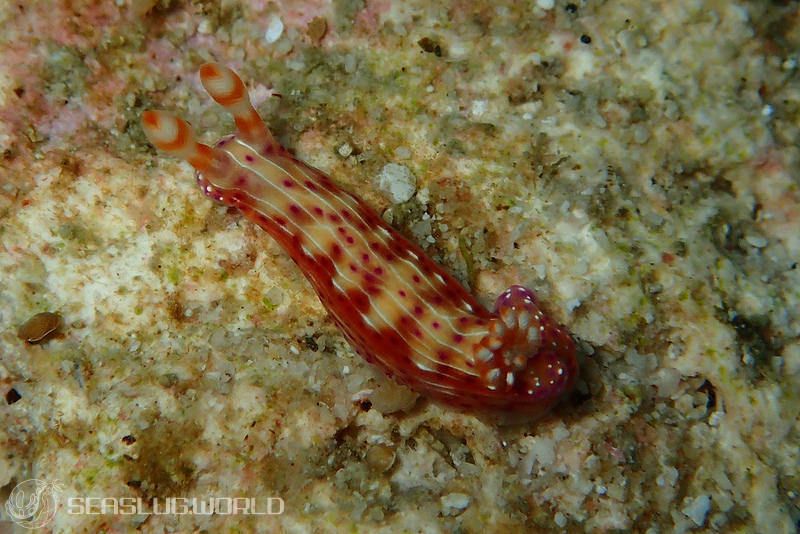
column 479, row 107
column 40, row 327
column 756, row 241
column 454, row 503
column 696, row 509
column 274, row 29
column 345, row 150
column 398, row 182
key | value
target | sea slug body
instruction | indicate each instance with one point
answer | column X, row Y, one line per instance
column 398, row 309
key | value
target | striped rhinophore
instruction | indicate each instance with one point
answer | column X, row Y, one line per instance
column 398, row 309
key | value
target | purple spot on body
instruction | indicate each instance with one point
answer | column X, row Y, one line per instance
column 249, row 158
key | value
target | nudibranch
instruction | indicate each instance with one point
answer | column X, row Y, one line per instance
column 397, row 308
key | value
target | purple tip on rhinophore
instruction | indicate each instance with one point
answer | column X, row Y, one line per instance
column 515, row 296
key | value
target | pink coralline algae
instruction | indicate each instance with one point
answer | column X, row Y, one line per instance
column 398, row 308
